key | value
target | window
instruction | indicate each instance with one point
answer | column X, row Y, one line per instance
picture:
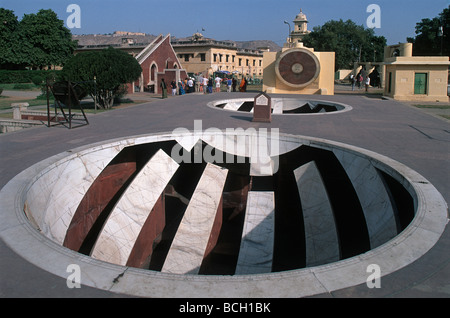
column 202, row 57
column 215, row 57
column 420, row 83
column 186, row 57
column 240, row 62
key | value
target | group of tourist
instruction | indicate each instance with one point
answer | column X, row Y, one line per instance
column 368, row 80
column 203, row 85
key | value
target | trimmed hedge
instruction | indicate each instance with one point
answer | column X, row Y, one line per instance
column 8, row 77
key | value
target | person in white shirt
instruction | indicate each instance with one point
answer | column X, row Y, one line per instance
column 367, row 83
column 190, row 85
column 218, row 80
column 205, row 85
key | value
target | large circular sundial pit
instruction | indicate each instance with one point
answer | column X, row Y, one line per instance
column 279, row 215
column 283, row 106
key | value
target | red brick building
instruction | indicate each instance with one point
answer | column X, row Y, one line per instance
column 158, row 60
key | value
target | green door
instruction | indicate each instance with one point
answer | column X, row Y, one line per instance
column 420, row 83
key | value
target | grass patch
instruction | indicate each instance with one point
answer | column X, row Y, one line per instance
column 20, row 86
column 433, row 106
column 88, row 106
column 5, row 102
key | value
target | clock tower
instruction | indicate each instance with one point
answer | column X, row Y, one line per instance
column 300, row 28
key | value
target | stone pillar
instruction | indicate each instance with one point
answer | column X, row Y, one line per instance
column 18, row 108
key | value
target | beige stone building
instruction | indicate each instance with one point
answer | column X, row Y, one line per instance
column 416, row 78
column 203, row 55
column 298, row 69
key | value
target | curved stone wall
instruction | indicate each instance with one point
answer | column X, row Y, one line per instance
column 321, row 200
column 283, row 106
column 310, row 208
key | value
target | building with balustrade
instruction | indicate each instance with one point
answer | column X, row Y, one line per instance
column 205, row 55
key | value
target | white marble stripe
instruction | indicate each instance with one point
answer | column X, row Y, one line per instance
column 372, row 195
column 256, row 251
column 189, row 244
column 73, row 177
column 122, row 228
column 322, row 244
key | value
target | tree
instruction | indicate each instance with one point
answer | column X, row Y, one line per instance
column 432, row 36
column 110, row 67
column 350, row 42
column 43, row 40
column 8, row 28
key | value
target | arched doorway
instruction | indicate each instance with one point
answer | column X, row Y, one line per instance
column 152, row 87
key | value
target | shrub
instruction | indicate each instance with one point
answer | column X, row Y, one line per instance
column 37, row 80
column 22, row 86
column 25, row 76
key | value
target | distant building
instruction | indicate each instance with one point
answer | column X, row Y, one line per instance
column 155, row 55
column 158, row 60
column 195, row 54
column 132, row 44
column 417, row 78
column 204, row 55
column 298, row 69
column 122, row 33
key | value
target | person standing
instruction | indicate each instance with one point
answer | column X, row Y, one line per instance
column 190, row 84
column 210, row 85
column 174, row 88
column 229, row 83
column 367, row 83
column 205, row 85
column 359, row 80
column 243, row 85
column 164, row 88
column 218, row 80
column 200, row 83
column 352, row 81
column 234, row 84
column 181, row 87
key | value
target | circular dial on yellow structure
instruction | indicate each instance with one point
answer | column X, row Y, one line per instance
column 297, row 67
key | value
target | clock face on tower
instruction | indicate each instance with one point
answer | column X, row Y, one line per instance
column 297, row 67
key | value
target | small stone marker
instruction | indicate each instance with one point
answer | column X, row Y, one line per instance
column 262, row 108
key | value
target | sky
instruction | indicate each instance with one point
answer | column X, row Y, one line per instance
column 238, row 20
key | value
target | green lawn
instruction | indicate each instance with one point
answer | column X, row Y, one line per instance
column 433, row 106
column 21, row 87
